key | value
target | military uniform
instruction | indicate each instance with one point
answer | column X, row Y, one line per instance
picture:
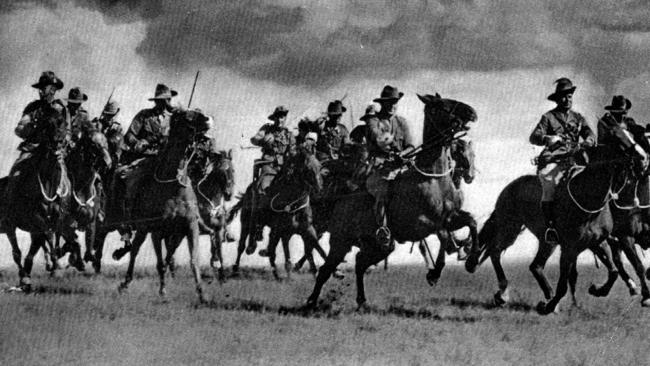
column 148, row 132
column 330, row 142
column 276, row 142
column 79, row 122
column 555, row 160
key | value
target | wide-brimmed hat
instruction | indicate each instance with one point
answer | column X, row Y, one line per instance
column 48, row 78
column 371, row 111
column 564, row 86
column 112, row 107
column 280, row 111
column 76, row 96
column 389, row 93
column 619, row 104
column 336, row 108
column 163, row 92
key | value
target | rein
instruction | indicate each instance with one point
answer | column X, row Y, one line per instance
column 57, row 194
column 214, row 209
column 90, row 201
column 182, row 171
column 287, row 207
column 610, row 196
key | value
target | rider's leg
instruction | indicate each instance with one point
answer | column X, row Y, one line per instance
column 13, row 182
column 549, row 177
column 267, row 173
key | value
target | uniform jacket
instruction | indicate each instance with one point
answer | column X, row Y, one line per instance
column 572, row 126
column 395, row 125
column 282, row 143
column 79, row 122
column 43, row 123
column 151, row 125
column 607, row 125
column 330, row 141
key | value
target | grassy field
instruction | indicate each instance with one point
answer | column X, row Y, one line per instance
column 253, row 319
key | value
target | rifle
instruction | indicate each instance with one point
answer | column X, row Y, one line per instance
column 193, row 87
column 109, row 98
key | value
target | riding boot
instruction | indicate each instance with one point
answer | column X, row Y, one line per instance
column 550, row 235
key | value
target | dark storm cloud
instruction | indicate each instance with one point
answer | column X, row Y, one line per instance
column 314, row 43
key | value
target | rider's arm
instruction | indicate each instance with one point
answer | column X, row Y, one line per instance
column 131, row 136
column 538, row 136
column 603, row 131
column 26, row 126
column 258, row 139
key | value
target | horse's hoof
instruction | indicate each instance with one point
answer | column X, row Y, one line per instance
column 362, row 307
column 25, row 285
column 121, row 252
column 596, row 291
column 123, row 287
column 89, row 257
column 471, row 264
column 634, row 290
column 544, row 308
column 276, row 275
column 432, row 278
column 263, row 253
column 501, row 298
column 162, row 292
column 310, row 304
column 645, row 302
column 203, row 298
column 252, row 246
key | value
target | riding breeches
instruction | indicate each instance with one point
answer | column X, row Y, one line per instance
column 267, row 173
column 550, row 176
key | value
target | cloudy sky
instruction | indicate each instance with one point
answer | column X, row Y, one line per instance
column 499, row 56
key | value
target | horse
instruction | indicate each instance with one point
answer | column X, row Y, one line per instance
column 584, row 222
column 288, row 211
column 213, row 183
column 166, row 203
column 43, row 212
column 423, row 198
column 463, row 155
column 85, row 163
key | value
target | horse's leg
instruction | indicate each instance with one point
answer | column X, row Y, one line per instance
column 537, row 267
column 616, row 258
column 627, row 245
column 369, row 255
column 15, row 251
column 193, row 246
column 171, row 245
column 139, row 238
column 502, row 296
column 339, row 247
column 433, row 275
column 156, row 239
column 100, row 239
column 274, row 239
column 568, row 258
column 91, row 232
column 310, row 238
column 37, row 242
column 286, row 238
column 216, row 262
column 241, row 247
column 604, row 253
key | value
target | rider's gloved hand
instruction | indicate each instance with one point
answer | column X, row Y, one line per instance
column 552, row 140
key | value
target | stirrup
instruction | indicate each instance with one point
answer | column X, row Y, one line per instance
column 551, row 236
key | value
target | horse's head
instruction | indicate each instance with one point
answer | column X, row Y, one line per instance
column 303, row 169
column 225, row 171
column 444, row 117
column 186, row 125
column 90, row 154
column 622, row 154
column 463, row 154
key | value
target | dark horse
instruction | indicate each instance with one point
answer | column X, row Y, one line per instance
column 166, row 203
column 463, row 155
column 288, row 211
column 43, row 212
column 584, row 220
column 423, row 198
column 213, row 180
column 85, row 162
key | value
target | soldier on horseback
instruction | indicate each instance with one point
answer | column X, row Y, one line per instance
column 388, row 139
column 559, row 130
column 78, row 115
column 616, row 119
column 45, row 123
column 276, row 141
column 112, row 129
column 333, row 134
